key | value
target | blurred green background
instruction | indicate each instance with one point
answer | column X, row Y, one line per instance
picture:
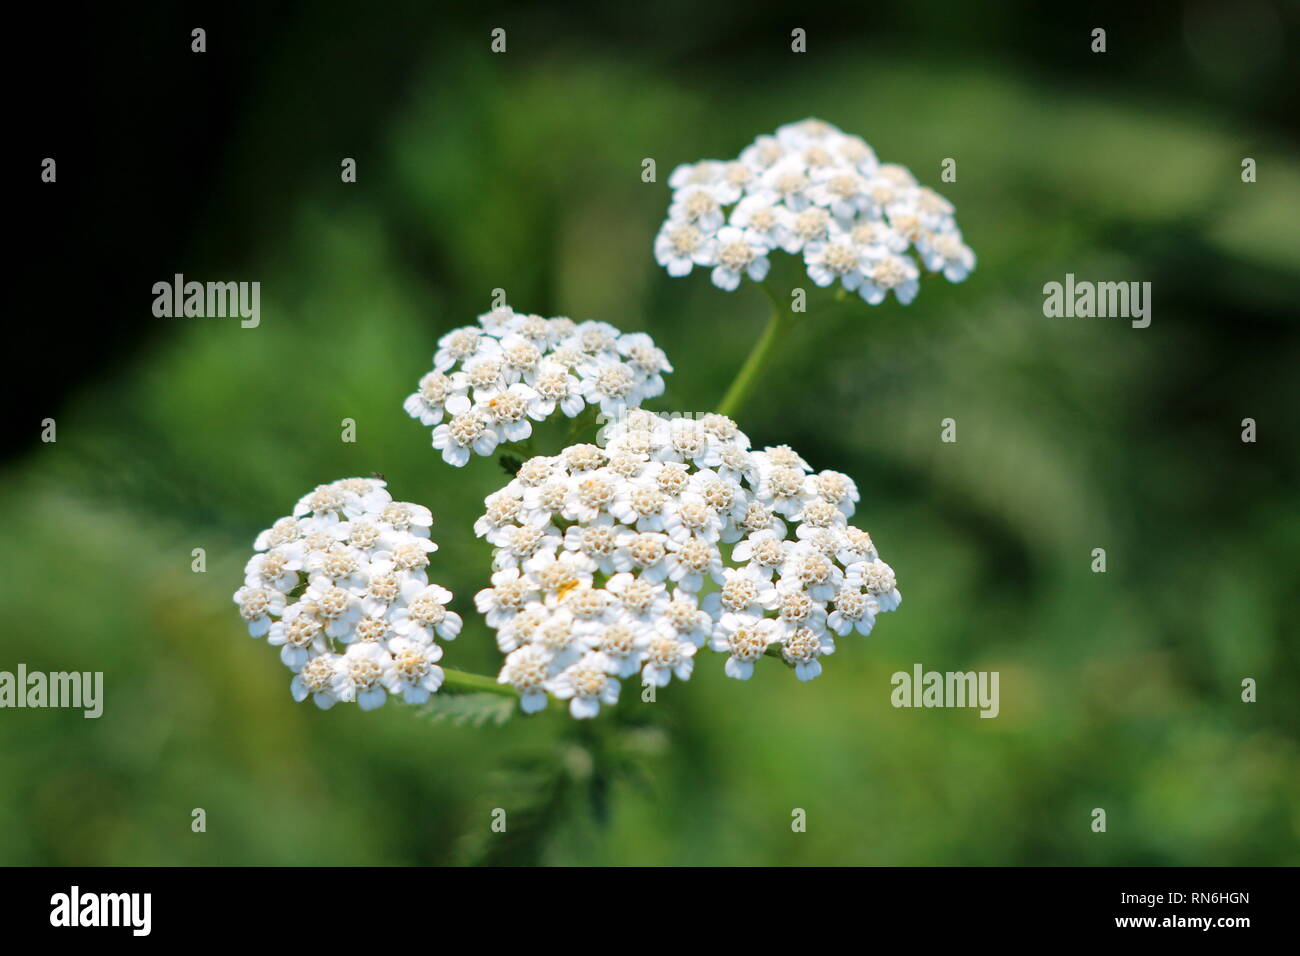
column 1118, row 690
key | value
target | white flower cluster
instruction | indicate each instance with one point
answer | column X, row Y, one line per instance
column 816, row 192
column 340, row 586
column 492, row 381
column 673, row 536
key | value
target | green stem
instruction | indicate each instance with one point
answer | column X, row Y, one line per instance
column 475, row 683
column 758, row 357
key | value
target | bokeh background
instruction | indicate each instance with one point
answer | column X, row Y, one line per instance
column 1118, row 690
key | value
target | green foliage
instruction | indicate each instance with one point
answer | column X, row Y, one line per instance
column 1119, row 690
column 470, row 710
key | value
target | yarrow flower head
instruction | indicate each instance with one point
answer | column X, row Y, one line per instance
column 341, row 587
column 671, row 537
column 813, row 191
column 490, row 382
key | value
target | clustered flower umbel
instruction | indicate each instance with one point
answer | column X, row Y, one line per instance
column 672, row 537
column 340, row 587
column 493, row 380
column 816, row 192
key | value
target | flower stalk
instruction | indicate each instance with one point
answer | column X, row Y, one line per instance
column 468, row 683
column 778, row 322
